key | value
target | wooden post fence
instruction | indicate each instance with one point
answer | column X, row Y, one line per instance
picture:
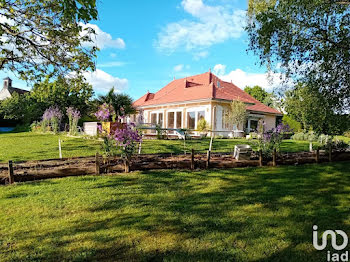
column 10, row 174
column 207, row 163
column 330, row 152
column 97, row 164
column 274, row 157
column 260, row 158
column 192, row 159
column 60, row 148
column 317, row 155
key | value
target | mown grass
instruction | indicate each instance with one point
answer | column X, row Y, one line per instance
column 251, row 214
column 34, row 146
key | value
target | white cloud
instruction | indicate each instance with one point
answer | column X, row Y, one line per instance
column 219, row 69
column 111, row 64
column 242, row 79
column 210, row 25
column 102, row 39
column 178, row 68
column 102, row 82
column 199, row 55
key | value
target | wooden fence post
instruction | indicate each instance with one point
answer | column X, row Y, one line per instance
column 207, row 163
column 10, row 174
column 60, row 148
column 330, row 152
column 317, row 155
column 260, row 158
column 97, row 164
column 274, row 157
column 192, row 159
column 140, row 147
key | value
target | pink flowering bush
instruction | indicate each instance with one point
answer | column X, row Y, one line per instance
column 106, row 113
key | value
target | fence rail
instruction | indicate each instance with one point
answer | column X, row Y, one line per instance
column 97, row 165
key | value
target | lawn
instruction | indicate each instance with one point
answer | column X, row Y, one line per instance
column 34, row 146
column 251, row 214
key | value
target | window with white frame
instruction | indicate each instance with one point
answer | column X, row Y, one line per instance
column 157, row 119
column 193, row 117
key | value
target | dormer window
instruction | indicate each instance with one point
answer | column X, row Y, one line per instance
column 218, row 84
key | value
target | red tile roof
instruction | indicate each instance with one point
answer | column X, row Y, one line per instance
column 203, row 86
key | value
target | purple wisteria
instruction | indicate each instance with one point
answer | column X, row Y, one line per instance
column 52, row 112
column 275, row 136
column 127, row 139
column 73, row 112
column 52, row 116
column 105, row 113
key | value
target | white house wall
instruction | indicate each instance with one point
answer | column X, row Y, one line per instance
column 270, row 122
column 211, row 109
column 4, row 93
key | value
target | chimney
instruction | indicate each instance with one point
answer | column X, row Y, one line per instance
column 7, row 82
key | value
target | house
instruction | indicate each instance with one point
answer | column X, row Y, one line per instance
column 183, row 102
column 8, row 89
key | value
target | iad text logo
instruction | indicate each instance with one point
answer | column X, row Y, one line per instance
column 332, row 256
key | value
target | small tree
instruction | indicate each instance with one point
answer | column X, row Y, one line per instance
column 237, row 113
column 202, row 125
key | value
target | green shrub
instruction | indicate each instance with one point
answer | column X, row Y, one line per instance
column 340, row 145
column 299, row 136
column 309, row 136
column 293, row 124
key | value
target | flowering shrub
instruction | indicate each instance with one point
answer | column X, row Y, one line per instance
column 127, row 139
column 106, row 113
column 270, row 140
column 52, row 116
column 274, row 137
column 73, row 116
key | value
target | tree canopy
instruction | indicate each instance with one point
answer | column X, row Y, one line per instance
column 122, row 103
column 40, row 38
column 261, row 95
column 313, row 111
column 308, row 40
column 237, row 113
column 62, row 93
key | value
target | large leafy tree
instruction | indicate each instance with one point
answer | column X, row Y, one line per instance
column 307, row 40
column 41, row 37
column 63, row 93
column 261, row 95
column 313, row 111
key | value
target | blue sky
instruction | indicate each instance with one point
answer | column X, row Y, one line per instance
column 145, row 44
